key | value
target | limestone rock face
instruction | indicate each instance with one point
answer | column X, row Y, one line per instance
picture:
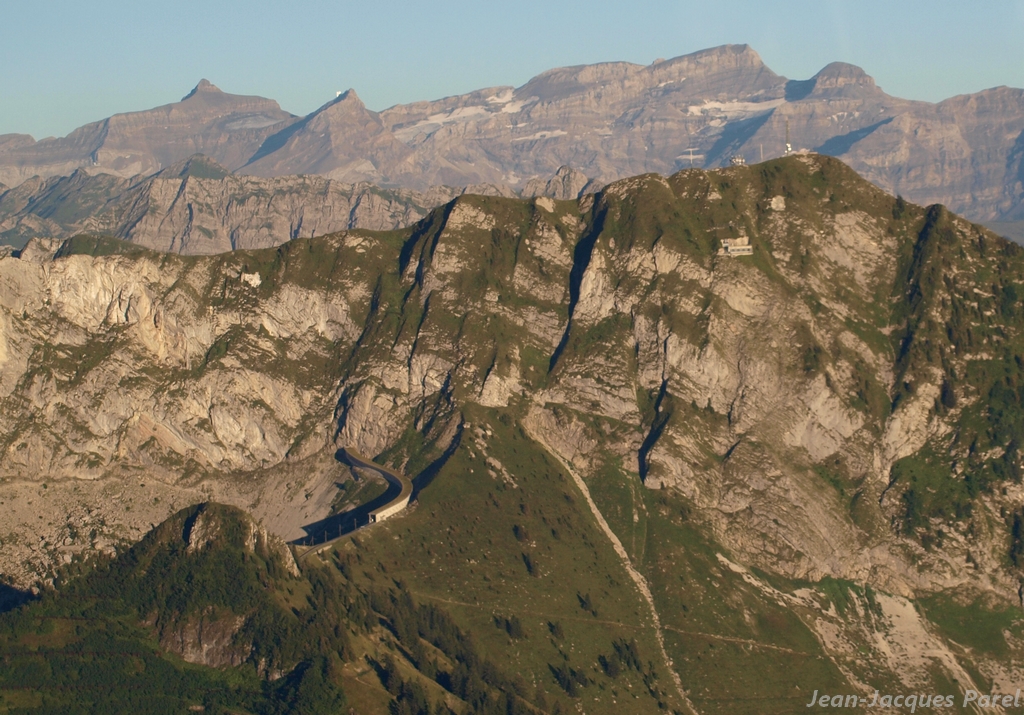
column 199, row 207
column 182, row 210
column 782, row 393
column 567, row 183
column 207, row 641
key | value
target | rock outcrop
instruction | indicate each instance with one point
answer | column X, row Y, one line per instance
column 567, row 183
column 197, row 207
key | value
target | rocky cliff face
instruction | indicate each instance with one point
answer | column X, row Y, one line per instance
column 842, row 402
column 607, row 121
column 196, row 207
column 730, row 379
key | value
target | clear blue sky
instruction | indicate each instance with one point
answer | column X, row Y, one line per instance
column 68, row 62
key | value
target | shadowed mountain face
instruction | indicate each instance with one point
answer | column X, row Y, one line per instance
column 607, row 121
column 342, row 140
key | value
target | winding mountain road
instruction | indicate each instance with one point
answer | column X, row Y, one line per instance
column 323, row 533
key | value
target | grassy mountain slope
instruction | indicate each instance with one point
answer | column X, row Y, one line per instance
column 208, row 613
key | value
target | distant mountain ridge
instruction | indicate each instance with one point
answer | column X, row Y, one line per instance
column 228, row 127
column 607, row 121
column 198, row 207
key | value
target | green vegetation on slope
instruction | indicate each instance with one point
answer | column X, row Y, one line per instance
column 516, row 557
column 207, row 583
column 976, row 345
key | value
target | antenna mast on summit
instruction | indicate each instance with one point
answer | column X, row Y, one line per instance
column 789, row 147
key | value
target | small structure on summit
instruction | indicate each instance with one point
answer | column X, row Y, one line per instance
column 739, row 246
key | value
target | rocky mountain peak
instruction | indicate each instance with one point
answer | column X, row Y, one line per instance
column 566, row 183
column 212, row 525
column 199, row 166
column 609, row 120
column 842, row 79
column 732, row 53
column 347, row 106
column 349, row 96
column 205, row 86
column 342, row 140
column 725, row 73
column 567, row 81
column 713, row 58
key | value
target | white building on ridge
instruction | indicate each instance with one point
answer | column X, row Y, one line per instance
column 736, row 247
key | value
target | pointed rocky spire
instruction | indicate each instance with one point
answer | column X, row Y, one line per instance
column 204, row 86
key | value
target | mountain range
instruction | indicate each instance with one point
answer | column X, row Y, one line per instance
column 706, row 443
column 683, row 434
column 607, row 121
